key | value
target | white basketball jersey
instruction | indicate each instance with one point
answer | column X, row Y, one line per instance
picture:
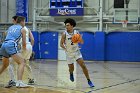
column 70, row 46
column 27, row 35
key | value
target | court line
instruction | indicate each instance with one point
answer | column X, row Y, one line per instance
column 112, row 85
column 127, row 80
column 121, row 76
column 63, row 88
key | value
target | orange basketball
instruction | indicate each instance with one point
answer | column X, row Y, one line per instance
column 76, row 38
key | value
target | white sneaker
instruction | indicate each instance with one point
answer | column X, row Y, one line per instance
column 20, row 84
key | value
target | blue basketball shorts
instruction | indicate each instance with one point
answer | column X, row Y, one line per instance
column 9, row 48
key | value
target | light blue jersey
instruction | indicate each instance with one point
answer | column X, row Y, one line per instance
column 14, row 33
column 9, row 46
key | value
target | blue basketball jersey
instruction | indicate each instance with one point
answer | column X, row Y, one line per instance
column 9, row 46
column 14, row 33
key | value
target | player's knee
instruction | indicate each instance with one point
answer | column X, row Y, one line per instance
column 22, row 62
column 6, row 65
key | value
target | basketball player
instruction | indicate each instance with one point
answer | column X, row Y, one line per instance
column 25, row 54
column 72, row 50
column 11, row 66
column 9, row 49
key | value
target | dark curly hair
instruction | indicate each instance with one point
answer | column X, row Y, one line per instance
column 15, row 17
column 71, row 21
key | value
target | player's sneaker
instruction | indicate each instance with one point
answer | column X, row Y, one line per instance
column 20, row 84
column 11, row 83
column 90, row 83
column 71, row 77
column 31, row 82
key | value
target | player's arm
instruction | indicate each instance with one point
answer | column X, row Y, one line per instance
column 81, row 39
column 31, row 37
column 62, row 41
column 23, row 31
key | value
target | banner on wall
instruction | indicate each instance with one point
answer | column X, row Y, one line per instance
column 66, row 12
column 66, row 8
column 22, row 8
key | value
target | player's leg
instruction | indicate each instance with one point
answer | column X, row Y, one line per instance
column 70, row 61
column 83, row 66
column 80, row 61
column 12, row 81
column 10, row 48
column 21, row 64
column 27, row 54
column 5, row 59
column 85, row 71
column 30, row 73
column 11, row 72
column 71, row 69
column 4, row 64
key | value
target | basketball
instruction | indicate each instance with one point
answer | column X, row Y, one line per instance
column 76, row 38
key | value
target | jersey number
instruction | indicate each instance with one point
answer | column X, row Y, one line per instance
column 72, row 43
column 13, row 30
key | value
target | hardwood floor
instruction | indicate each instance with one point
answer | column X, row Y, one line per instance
column 53, row 77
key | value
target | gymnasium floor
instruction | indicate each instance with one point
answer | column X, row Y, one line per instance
column 53, row 77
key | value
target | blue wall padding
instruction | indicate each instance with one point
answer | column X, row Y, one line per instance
column 113, row 46
column 87, row 49
column 99, row 53
column 36, row 44
column 123, row 46
column 49, row 45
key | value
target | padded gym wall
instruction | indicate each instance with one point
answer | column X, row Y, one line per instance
column 114, row 46
column 36, row 44
column 87, row 49
column 99, row 53
column 123, row 46
column 101, row 46
column 49, row 45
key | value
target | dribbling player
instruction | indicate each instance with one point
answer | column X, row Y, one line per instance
column 72, row 50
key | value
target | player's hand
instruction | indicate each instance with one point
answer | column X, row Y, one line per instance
column 80, row 39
